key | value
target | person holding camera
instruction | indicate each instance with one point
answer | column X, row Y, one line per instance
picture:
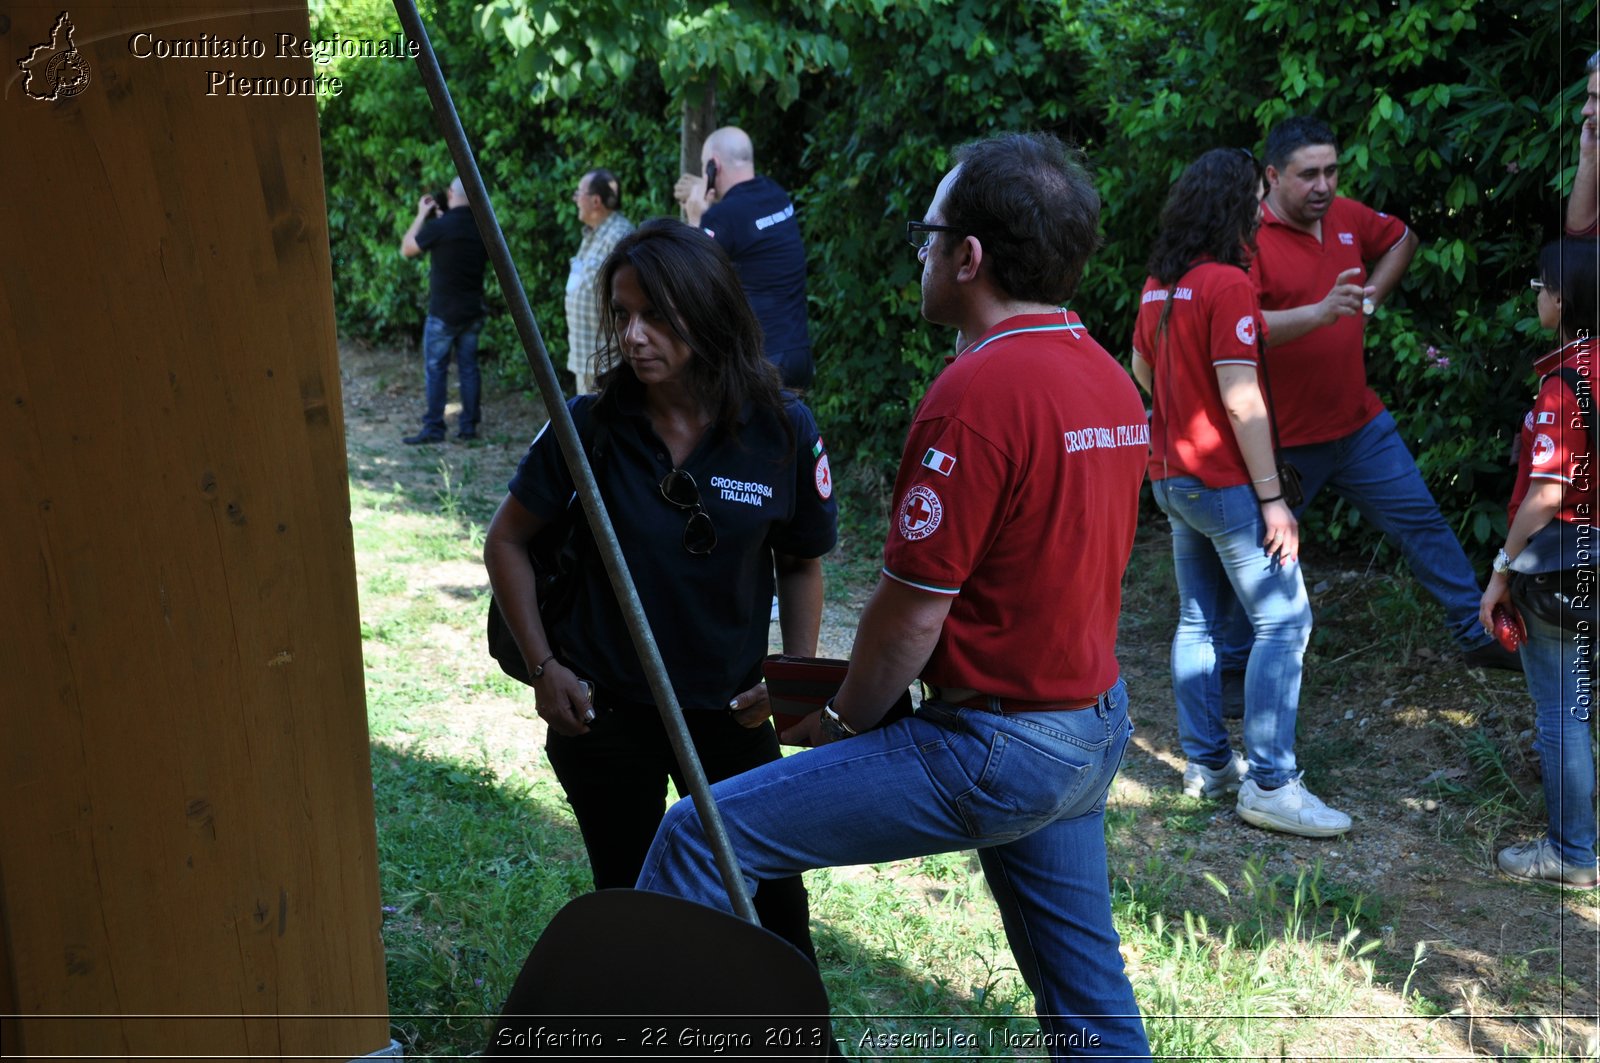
column 714, row 478
column 1215, row 475
column 456, row 261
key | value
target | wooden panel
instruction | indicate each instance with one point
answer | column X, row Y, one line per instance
column 186, row 818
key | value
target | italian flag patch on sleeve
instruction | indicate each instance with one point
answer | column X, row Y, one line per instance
column 939, row 461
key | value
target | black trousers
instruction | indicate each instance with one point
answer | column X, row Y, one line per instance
column 615, row 778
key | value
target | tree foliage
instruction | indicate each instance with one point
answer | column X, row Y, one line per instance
column 1456, row 115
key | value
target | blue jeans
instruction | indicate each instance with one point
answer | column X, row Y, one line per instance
column 1027, row 791
column 1559, row 668
column 437, row 340
column 1219, row 560
column 1372, row 470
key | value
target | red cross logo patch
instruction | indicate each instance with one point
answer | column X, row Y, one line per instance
column 920, row 513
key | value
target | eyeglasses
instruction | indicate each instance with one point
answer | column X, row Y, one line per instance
column 680, row 490
column 1536, row 284
column 920, row 234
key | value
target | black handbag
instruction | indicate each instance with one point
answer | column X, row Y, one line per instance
column 1553, row 578
column 554, row 556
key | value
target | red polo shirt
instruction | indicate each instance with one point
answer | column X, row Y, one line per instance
column 1017, row 494
column 1214, row 321
column 1554, row 443
column 1319, row 381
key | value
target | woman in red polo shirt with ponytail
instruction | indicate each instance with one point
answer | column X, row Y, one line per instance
column 1215, row 475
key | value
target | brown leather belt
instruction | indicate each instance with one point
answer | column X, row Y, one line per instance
column 971, row 699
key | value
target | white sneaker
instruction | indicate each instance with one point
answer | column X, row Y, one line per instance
column 1290, row 808
column 1201, row 781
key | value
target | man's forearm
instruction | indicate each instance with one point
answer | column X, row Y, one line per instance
column 899, row 628
column 1387, row 271
column 1291, row 324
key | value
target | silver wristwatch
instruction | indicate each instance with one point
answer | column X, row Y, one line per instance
column 1502, row 561
column 833, row 725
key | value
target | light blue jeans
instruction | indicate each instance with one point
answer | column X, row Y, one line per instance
column 438, row 338
column 1027, row 791
column 1372, row 469
column 1559, row 666
column 1219, row 560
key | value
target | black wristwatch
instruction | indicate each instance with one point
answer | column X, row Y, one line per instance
column 833, row 724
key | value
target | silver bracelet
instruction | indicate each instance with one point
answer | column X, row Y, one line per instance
column 1264, row 479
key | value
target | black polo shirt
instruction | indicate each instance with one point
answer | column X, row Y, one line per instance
column 756, row 224
column 710, row 614
column 456, row 258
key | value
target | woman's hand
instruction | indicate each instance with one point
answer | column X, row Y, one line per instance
column 751, row 708
column 806, row 733
column 563, row 700
column 1497, row 592
column 1282, row 538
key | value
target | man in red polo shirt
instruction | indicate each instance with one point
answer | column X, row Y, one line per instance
column 1001, row 588
column 1323, row 265
column 1583, row 208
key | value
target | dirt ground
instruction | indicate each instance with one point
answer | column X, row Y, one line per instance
column 1409, row 748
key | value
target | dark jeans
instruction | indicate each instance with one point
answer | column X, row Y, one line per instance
column 615, row 778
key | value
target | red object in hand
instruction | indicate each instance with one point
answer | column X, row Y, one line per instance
column 1508, row 629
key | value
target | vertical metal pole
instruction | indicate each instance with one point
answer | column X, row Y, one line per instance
column 577, row 461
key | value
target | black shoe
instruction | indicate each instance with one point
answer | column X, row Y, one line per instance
column 421, row 438
column 1492, row 655
column 466, row 437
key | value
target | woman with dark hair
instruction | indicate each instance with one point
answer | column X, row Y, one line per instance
column 1556, row 482
column 714, row 477
column 1214, row 474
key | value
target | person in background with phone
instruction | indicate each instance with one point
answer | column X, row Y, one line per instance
column 753, row 219
column 1214, row 474
column 456, row 262
column 1556, row 477
column 1583, row 206
column 714, row 478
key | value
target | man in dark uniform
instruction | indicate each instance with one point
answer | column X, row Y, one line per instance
column 1016, row 501
column 754, row 221
column 455, row 308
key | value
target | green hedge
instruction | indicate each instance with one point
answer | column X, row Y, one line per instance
column 1456, row 115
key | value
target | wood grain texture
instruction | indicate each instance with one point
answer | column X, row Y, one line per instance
column 186, row 821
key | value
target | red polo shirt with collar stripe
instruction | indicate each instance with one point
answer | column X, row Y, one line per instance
column 1017, row 494
column 1555, row 445
column 1214, row 321
column 1319, row 381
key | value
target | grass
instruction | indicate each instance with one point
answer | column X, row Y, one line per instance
column 478, row 851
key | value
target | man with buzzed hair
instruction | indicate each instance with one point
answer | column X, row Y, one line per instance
column 455, row 308
column 1583, row 209
column 1016, row 502
column 599, row 202
column 753, row 219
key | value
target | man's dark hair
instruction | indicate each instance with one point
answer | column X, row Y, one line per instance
column 1031, row 204
column 603, row 183
column 1292, row 134
column 1212, row 210
column 690, row 281
column 1570, row 268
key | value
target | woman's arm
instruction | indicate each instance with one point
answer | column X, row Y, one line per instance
column 1247, row 414
column 562, row 701
column 799, row 621
column 1539, row 507
column 1141, row 371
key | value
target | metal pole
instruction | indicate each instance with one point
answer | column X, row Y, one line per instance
column 577, row 461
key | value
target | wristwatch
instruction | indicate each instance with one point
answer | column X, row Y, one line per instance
column 538, row 670
column 833, row 724
column 1502, row 561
